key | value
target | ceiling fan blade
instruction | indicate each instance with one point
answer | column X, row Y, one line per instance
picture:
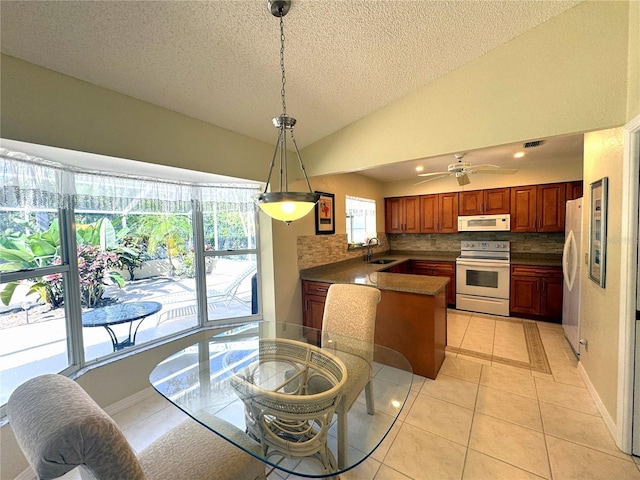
column 463, row 179
column 490, row 169
column 500, row 170
column 432, row 176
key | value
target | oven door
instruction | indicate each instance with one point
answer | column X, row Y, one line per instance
column 484, row 278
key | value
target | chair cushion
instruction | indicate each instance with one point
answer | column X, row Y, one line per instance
column 59, row 426
column 198, row 453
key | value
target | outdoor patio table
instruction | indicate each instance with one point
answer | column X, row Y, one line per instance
column 255, row 372
column 128, row 312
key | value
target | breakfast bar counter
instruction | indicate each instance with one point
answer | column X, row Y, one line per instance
column 411, row 316
column 363, row 273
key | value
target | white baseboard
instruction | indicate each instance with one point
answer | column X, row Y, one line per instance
column 611, row 425
column 28, row 474
column 128, row 402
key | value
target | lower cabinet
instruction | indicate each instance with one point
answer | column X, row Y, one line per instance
column 536, row 292
column 437, row 269
column 314, row 295
column 412, row 324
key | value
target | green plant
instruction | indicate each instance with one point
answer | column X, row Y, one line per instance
column 24, row 252
column 27, row 252
column 94, row 266
column 132, row 252
column 168, row 232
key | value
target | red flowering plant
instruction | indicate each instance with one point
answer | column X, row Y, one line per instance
column 94, row 267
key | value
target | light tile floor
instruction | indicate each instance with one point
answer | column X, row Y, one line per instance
column 492, row 413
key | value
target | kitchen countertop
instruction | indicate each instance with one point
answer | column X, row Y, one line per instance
column 536, row 259
column 357, row 271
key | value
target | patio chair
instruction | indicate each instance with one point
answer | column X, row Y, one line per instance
column 230, row 292
column 181, row 312
column 60, row 427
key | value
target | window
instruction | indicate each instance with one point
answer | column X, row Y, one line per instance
column 361, row 219
column 74, row 241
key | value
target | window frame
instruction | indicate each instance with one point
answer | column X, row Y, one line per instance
column 76, row 355
column 349, row 219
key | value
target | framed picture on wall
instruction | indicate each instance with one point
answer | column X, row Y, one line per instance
column 326, row 214
column 598, row 231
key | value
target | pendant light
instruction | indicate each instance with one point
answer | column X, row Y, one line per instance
column 285, row 205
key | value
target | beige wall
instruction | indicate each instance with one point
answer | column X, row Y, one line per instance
column 288, row 295
column 633, row 81
column 566, row 76
column 600, row 307
column 44, row 107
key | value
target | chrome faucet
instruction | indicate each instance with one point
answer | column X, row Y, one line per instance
column 368, row 256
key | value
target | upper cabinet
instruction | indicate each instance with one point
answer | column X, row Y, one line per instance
column 484, row 202
column 538, row 208
column 574, row 190
column 402, row 214
column 533, row 208
column 439, row 213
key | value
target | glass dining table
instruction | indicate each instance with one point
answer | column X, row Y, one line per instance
column 266, row 380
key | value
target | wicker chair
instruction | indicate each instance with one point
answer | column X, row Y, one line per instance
column 60, row 427
column 280, row 412
column 348, row 326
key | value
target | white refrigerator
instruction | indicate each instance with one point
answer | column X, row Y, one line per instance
column 571, row 268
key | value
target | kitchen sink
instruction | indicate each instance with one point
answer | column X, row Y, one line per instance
column 381, row 261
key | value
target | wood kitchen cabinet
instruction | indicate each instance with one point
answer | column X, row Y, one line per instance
column 437, row 269
column 536, row 291
column 485, row 202
column 574, row 190
column 538, row 208
column 439, row 213
column 402, row 214
column 314, row 295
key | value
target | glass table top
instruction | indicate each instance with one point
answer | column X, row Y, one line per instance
column 267, row 380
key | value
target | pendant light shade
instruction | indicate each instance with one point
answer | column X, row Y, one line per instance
column 285, row 205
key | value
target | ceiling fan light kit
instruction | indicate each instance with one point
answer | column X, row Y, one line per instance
column 283, row 204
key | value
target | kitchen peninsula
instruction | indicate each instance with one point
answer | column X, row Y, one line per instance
column 412, row 313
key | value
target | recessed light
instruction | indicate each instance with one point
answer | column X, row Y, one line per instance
column 518, row 155
column 419, row 168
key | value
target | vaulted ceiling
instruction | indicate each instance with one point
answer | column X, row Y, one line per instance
column 218, row 61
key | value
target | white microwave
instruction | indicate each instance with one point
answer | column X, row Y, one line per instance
column 484, row 223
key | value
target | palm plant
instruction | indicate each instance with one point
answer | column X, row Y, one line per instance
column 169, row 232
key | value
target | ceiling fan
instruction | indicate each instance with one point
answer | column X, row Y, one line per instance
column 462, row 169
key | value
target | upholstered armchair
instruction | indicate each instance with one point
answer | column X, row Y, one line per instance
column 60, row 427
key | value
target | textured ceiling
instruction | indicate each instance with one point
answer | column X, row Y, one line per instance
column 218, row 61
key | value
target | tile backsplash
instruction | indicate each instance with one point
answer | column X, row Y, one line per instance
column 316, row 250
column 550, row 243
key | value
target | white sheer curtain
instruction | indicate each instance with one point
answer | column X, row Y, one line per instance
column 32, row 182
